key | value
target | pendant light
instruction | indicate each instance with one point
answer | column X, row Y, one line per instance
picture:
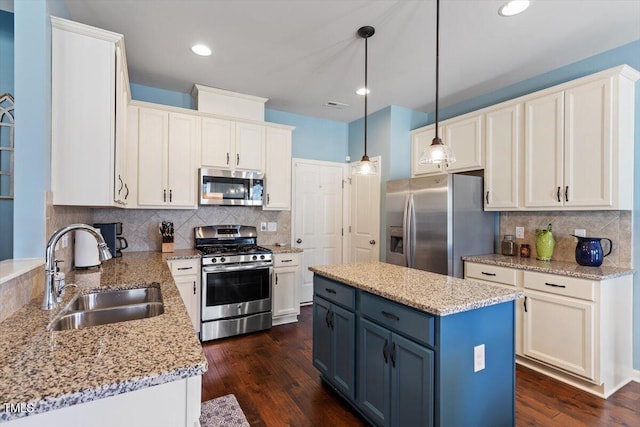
column 437, row 152
column 365, row 166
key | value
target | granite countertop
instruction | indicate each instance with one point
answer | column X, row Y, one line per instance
column 562, row 268
column 48, row 370
column 282, row 249
column 429, row 292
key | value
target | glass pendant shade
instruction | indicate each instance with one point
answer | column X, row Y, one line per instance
column 436, row 153
column 365, row 167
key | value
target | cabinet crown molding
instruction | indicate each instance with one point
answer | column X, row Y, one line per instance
column 87, row 30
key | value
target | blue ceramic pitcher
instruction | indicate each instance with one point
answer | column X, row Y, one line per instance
column 589, row 250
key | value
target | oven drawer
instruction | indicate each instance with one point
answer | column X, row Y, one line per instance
column 334, row 292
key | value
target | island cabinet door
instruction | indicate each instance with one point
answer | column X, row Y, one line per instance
column 374, row 375
column 343, row 353
column 321, row 336
column 412, row 383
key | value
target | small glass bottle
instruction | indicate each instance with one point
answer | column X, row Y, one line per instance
column 508, row 245
column 525, row 250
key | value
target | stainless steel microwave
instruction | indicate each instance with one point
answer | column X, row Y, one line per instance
column 222, row 187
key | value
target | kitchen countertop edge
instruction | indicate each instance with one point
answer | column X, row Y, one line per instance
column 443, row 299
column 562, row 268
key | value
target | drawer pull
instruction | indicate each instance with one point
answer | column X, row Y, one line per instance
column 384, row 352
column 185, row 268
column 488, row 274
column 330, row 291
column 287, row 260
column 525, row 304
column 554, row 285
column 390, row 316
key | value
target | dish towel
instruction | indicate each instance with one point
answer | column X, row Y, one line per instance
column 222, row 411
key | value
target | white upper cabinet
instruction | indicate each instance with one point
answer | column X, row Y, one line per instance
column 463, row 134
column 278, row 169
column 502, row 147
column 167, row 168
column 228, row 144
column 89, row 86
column 544, row 127
column 579, row 144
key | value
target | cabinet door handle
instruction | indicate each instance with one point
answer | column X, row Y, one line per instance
column 170, row 196
column 268, row 198
column 326, row 319
column 276, row 278
column 331, row 317
column 553, row 285
column 525, row 304
column 237, row 159
column 164, row 195
column 488, row 274
column 287, row 260
column 227, row 158
column 393, row 354
column 384, row 352
column 558, row 194
column 194, row 287
column 487, row 197
column 121, row 184
column 184, row 268
column 299, row 241
column 330, row 291
column 390, row 316
column 566, row 193
column 126, row 187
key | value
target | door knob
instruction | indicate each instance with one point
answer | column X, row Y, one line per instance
column 372, row 242
column 299, row 241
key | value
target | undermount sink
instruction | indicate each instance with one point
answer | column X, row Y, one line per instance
column 101, row 308
column 100, row 300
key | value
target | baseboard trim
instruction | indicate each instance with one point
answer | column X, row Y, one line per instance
column 636, row 375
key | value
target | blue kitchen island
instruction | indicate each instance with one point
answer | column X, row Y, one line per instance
column 410, row 348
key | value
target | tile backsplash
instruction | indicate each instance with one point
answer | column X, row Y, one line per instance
column 615, row 225
column 140, row 226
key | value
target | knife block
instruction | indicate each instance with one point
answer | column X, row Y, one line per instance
column 167, row 247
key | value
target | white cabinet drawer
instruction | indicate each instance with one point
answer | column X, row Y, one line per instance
column 491, row 273
column 286, row 260
column 561, row 285
column 184, row 267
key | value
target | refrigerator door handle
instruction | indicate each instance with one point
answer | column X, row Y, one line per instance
column 412, row 232
column 405, row 231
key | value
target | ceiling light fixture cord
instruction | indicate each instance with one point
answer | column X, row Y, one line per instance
column 366, row 92
column 437, row 60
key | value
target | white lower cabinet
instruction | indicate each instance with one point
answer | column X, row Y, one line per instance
column 573, row 329
column 286, row 280
column 186, row 274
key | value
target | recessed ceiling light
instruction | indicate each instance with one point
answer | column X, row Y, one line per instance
column 362, row 91
column 513, row 7
column 200, row 49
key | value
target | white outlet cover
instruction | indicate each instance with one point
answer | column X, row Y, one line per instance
column 478, row 358
column 519, row 232
column 580, row 232
column 272, row 226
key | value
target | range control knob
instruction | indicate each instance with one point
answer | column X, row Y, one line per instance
column 261, row 256
column 222, row 259
column 255, row 257
column 213, row 260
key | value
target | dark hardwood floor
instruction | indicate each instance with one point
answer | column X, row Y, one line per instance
column 271, row 375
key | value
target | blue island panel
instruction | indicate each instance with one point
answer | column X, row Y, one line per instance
column 483, row 398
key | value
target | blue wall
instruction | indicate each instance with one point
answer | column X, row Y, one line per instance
column 6, row 86
column 161, row 96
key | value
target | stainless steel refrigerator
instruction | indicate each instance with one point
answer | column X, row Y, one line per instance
column 432, row 221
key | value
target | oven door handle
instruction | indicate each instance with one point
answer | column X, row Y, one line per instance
column 235, row 268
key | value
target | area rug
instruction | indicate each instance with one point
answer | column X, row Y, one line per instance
column 222, row 411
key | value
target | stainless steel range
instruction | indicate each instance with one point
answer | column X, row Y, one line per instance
column 236, row 281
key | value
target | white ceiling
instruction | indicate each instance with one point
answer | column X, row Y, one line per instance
column 302, row 53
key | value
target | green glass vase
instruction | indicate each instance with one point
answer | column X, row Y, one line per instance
column 545, row 243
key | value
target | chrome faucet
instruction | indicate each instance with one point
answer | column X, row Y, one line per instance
column 51, row 291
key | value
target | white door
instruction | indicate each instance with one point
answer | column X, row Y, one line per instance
column 153, row 138
column 218, row 146
column 317, row 217
column 464, row 135
column 278, row 169
column 182, row 169
column 364, row 218
column 249, row 147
